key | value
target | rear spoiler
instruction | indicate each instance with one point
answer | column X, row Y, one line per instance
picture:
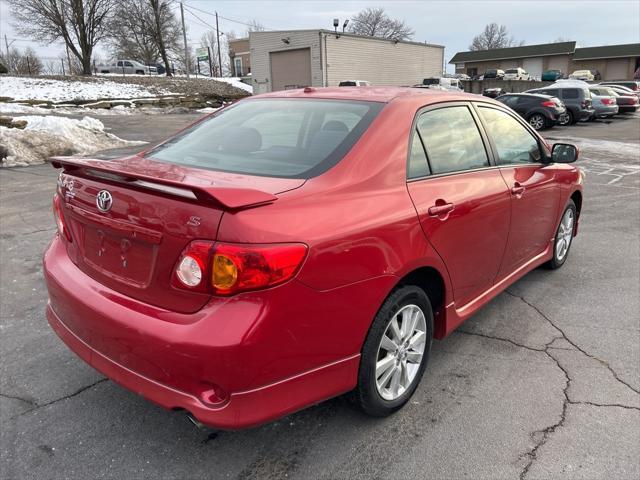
column 228, row 197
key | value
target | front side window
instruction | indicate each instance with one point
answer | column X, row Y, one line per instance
column 514, row 143
column 452, row 140
column 278, row 137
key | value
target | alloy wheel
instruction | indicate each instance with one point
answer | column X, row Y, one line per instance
column 537, row 122
column 401, row 352
column 564, row 235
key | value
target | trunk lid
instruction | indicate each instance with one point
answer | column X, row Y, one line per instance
column 131, row 218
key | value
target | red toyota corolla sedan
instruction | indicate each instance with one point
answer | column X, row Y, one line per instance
column 302, row 244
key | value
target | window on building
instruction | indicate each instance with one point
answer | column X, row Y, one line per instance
column 237, row 62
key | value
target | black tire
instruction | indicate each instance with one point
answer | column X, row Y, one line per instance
column 557, row 262
column 139, row 72
column 572, row 117
column 537, row 121
column 366, row 394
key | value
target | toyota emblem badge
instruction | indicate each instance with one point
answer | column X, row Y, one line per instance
column 104, row 200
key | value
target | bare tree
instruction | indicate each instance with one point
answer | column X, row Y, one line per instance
column 22, row 63
column 209, row 39
column 493, row 36
column 81, row 24
column 374, row 22
column 254, row 26
column 134, row 31
column 561, row 40
column 165, row 31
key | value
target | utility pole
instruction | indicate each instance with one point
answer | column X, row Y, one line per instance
column 219, row 56
column 210, row 64
column 184, row 37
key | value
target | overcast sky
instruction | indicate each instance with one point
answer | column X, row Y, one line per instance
column 451, row 23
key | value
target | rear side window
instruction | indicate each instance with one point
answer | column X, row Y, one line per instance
column 287, row 138
column 452, row 140
column 513, row 141
column 550, row 92
column 570, row 93
column 418, row 165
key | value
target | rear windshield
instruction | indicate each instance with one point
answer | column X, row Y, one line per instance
column 511, row 70
column 431, row 81
column 347, row 83
column 277, row 137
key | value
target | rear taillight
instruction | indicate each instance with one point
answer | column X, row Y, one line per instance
column 63, row 229
column 239, row 268
column 608, row 101
column 548, row 103
column 226, row 269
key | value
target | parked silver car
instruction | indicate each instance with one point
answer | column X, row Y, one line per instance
column 604, row 101
column 127, row 67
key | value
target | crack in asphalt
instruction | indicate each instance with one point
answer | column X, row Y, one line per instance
column 544, row 434
column 35, row 405
column 20, row 399
column 575, row 345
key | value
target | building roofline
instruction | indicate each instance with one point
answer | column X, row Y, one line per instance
column 353, row 35
column 508, row 52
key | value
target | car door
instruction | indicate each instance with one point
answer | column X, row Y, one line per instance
column 128, row 67
column 461, row 199
column 535, row 194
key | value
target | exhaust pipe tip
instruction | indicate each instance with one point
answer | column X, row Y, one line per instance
column 197, row 423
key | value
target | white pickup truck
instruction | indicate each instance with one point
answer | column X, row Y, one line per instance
column 126, row 67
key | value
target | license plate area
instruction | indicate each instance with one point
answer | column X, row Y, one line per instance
column 121, row 257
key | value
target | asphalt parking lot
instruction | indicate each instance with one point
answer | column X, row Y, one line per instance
column 542, row 383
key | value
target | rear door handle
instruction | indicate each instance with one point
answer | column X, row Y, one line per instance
column 517, row 190
column 437, row 210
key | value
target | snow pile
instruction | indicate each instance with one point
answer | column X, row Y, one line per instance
column 46, row 136
column 235, row 81
column 24, row 88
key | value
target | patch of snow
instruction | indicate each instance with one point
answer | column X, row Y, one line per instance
column 46, row 136
column 207, row 110
column 235, row 81
column 23, row 88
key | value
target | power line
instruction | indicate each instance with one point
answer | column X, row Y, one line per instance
column 226, row 18
column 202, row 22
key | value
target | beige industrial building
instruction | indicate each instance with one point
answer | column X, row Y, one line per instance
column 298, row 58
column 613, row 62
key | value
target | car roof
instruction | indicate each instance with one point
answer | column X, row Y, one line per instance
column 523, row 94
column 371, row 94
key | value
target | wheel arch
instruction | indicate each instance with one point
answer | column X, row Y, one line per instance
column 577, row 199
column 432, row 282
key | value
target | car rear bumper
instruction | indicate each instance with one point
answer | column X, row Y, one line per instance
column 628, row 108
column 606, row 110
column 239, row 362
column 242, row 409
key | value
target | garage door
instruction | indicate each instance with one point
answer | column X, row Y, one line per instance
column 290, row 69
column 533, row 66
column 558, row 63
column 617, row 69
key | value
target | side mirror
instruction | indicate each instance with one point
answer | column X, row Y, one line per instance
column 564, row 153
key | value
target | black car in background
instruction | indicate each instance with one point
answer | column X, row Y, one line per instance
column 493, row 92
column 541, row 111
column 576, row 98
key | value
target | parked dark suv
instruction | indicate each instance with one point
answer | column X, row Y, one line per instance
column 541, row 111
column 577, row 100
